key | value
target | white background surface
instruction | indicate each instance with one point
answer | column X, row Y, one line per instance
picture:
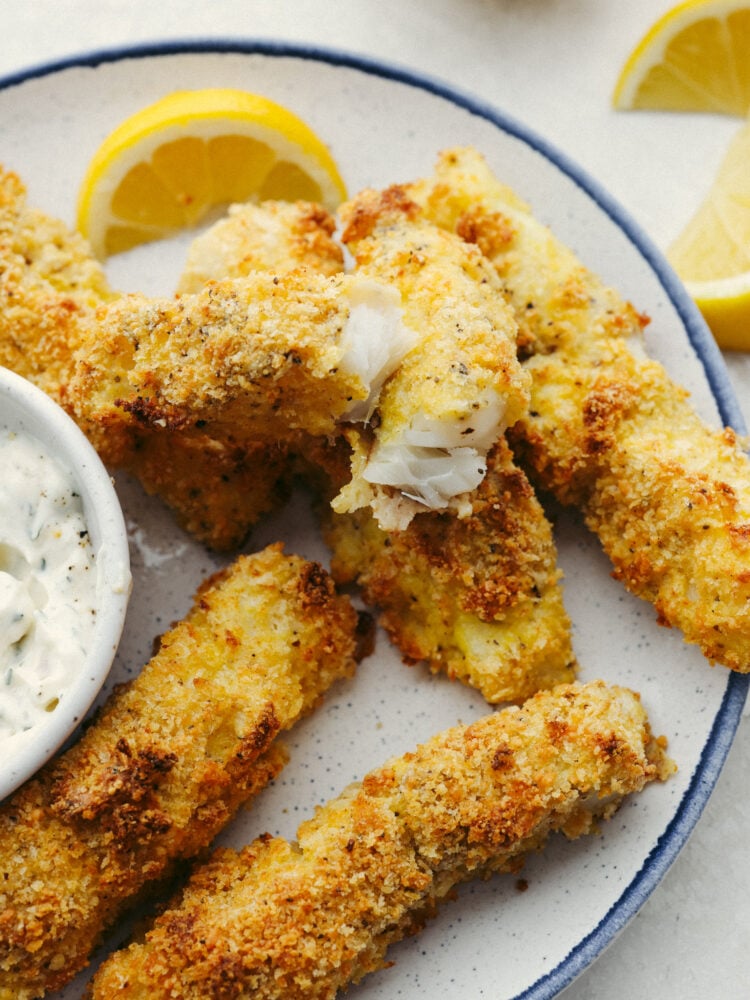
column 552, row 64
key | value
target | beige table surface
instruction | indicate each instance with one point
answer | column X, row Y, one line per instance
column 552, row 64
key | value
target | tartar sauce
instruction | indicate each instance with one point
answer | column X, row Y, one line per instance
column 47, row 583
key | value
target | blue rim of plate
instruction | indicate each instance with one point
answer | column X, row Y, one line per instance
column 727, row 719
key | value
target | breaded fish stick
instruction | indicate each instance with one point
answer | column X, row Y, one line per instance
column 457, row 388
column 49, row 286
column 256, row 358
column 301, row 921
column 166, row 763
column 220, row 487
column 217, row 488
column 607, row 429
column 476, row 597
column 275, row 236
column 264, row 358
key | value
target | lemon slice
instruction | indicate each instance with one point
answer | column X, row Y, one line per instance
column 712, row 253
column 166, row 166
column 694, row 58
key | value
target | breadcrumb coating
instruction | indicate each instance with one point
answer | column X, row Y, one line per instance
column 456, row 390
column 166, row 763
column 477, row 597
column 607, row 429
column 275, row 236
column 256, row 358
column 302, row 920
column 218, row 486
column 49, row 286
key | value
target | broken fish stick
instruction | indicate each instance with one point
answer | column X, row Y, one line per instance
column 424, row 441
column 166, row 763
column 220, row 477
column 256, row 358
column 244, row 364
column 607, row 429
column 478, row 597
column 260, row 358
column 303, row 920
column 220, row 487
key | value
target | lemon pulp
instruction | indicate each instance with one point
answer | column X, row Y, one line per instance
column 694, row 58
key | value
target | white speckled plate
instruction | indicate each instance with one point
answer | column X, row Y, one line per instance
column 385, row 125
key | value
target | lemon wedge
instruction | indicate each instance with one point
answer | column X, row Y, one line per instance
column 712, row 253
column 163, row 168
column 694, row 58
column 725, row 305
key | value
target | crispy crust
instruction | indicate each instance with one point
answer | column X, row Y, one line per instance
column 276, row 236
column 202, row 396
column 477, row 597
column 304, row 920
column 166, row 763
column 49, row 286
column 218, row 485
column 217, row 488
column 254, row 358
column 607, row 429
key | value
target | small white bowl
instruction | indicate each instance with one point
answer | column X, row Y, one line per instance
column 25, row 408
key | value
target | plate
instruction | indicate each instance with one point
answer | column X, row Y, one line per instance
column 386, row 125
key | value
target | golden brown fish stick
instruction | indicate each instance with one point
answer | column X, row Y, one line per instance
column 218, row 489
column 166, row 763
column 275, row 236
column 458, row 386
column 477, row 597
column 257, row 359
column 218, row 486
column 301, row 921
column 49, row 285
column 607, row 428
